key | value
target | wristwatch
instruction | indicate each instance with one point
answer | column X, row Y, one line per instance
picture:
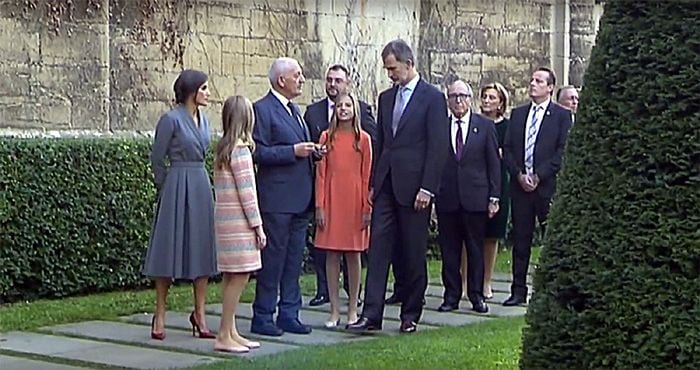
column 493, row 200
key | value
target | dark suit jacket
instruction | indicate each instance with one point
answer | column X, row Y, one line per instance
column 416, row 155
column 476, row 177
column 316, row 117
column 549, row 146
column 285, row 182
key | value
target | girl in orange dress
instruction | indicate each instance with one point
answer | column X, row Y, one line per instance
column 237, row 221
column 342, row 205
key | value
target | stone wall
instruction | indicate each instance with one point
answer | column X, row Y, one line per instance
column 109, row 65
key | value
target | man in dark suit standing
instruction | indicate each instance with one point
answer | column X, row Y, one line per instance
column 412, row 137
column 283, row 155
column 468, row 197
column 533, row 149
column 318, row 116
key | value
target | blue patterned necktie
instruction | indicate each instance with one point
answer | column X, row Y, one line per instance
column 398, row 109
column 530, row 140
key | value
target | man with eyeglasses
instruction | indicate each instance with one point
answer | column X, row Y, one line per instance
column 468, row 197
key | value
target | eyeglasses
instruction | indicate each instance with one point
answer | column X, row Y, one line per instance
column 456, row 97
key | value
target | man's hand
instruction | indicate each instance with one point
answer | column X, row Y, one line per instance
column 493, row 209
column 320, row 218
column 526, row 183
column 304, row 149
column 422, row 201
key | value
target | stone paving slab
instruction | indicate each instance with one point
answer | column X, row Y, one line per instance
column 99, row 352
column 178, row 320
column 139, row 334
column 430, row 317
column 19, row 363
column 317, row 317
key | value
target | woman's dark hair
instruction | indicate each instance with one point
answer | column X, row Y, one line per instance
column 187, row 83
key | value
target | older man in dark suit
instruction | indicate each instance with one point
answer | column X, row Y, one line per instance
column 412, row 134
column 533, row 150
column 318, row 116
column 283, row 155
column 468, row 197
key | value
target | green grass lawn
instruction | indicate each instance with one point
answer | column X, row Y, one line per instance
column 491, row 345
column 107, row 306
column 485, row 346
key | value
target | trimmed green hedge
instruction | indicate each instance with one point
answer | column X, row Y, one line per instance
column 75, row 214
column 619, row 280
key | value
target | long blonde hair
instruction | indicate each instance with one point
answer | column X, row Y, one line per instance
column 333, row 127
column 237, row 118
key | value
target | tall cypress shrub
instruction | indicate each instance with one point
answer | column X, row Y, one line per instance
column 619, row 280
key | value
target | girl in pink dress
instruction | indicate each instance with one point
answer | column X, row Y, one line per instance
column 342, row 200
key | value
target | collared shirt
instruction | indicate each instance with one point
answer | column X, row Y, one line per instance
column 465, row 128
column 540, row 114
column 282, row 100
column 407, row 90
column 331, row 108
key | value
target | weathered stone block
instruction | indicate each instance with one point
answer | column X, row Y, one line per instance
column 528, row 16
column 132, row 115
column 204, row 53
column 18, row 44
column 14, row 79
column 233, row 64
column 90, row 113
column 533, row 44
column 86, row 44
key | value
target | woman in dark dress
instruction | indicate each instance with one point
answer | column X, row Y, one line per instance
column 494, row 102
column 182, row 243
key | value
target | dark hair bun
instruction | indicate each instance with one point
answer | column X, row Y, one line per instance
column 187, row 83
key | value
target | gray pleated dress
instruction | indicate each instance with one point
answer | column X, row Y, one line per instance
column 182, row 245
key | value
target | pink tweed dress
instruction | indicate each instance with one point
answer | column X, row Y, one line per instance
column 236, row 214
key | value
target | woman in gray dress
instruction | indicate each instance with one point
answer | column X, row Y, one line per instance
column 182, row 243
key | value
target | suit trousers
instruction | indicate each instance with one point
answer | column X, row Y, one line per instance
column 396, row 226
column 456, row 229
column 525, row 209
column 282, row 262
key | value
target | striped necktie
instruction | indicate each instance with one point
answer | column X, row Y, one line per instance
column 530, row 140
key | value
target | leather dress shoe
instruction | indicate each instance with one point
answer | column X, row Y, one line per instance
column 514, row 300
column 363, row 325
column 408, row 326
column 294, row 326
column 268, row 329
column 480, row 307
column 319, row 300
column 394, row 299
column 446, row 307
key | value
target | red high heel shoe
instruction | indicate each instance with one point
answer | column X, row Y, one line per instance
column 195, row 327
column 154, row 335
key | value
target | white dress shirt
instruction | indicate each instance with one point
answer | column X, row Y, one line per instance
column 465, row 129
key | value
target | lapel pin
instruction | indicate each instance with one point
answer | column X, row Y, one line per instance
column 547, row 112
column 475, row 130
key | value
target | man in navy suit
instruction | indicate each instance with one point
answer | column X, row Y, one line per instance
column 283, row 155
column 468, row 197
column 533, row 149
column 412, row 134
column 318, row 116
